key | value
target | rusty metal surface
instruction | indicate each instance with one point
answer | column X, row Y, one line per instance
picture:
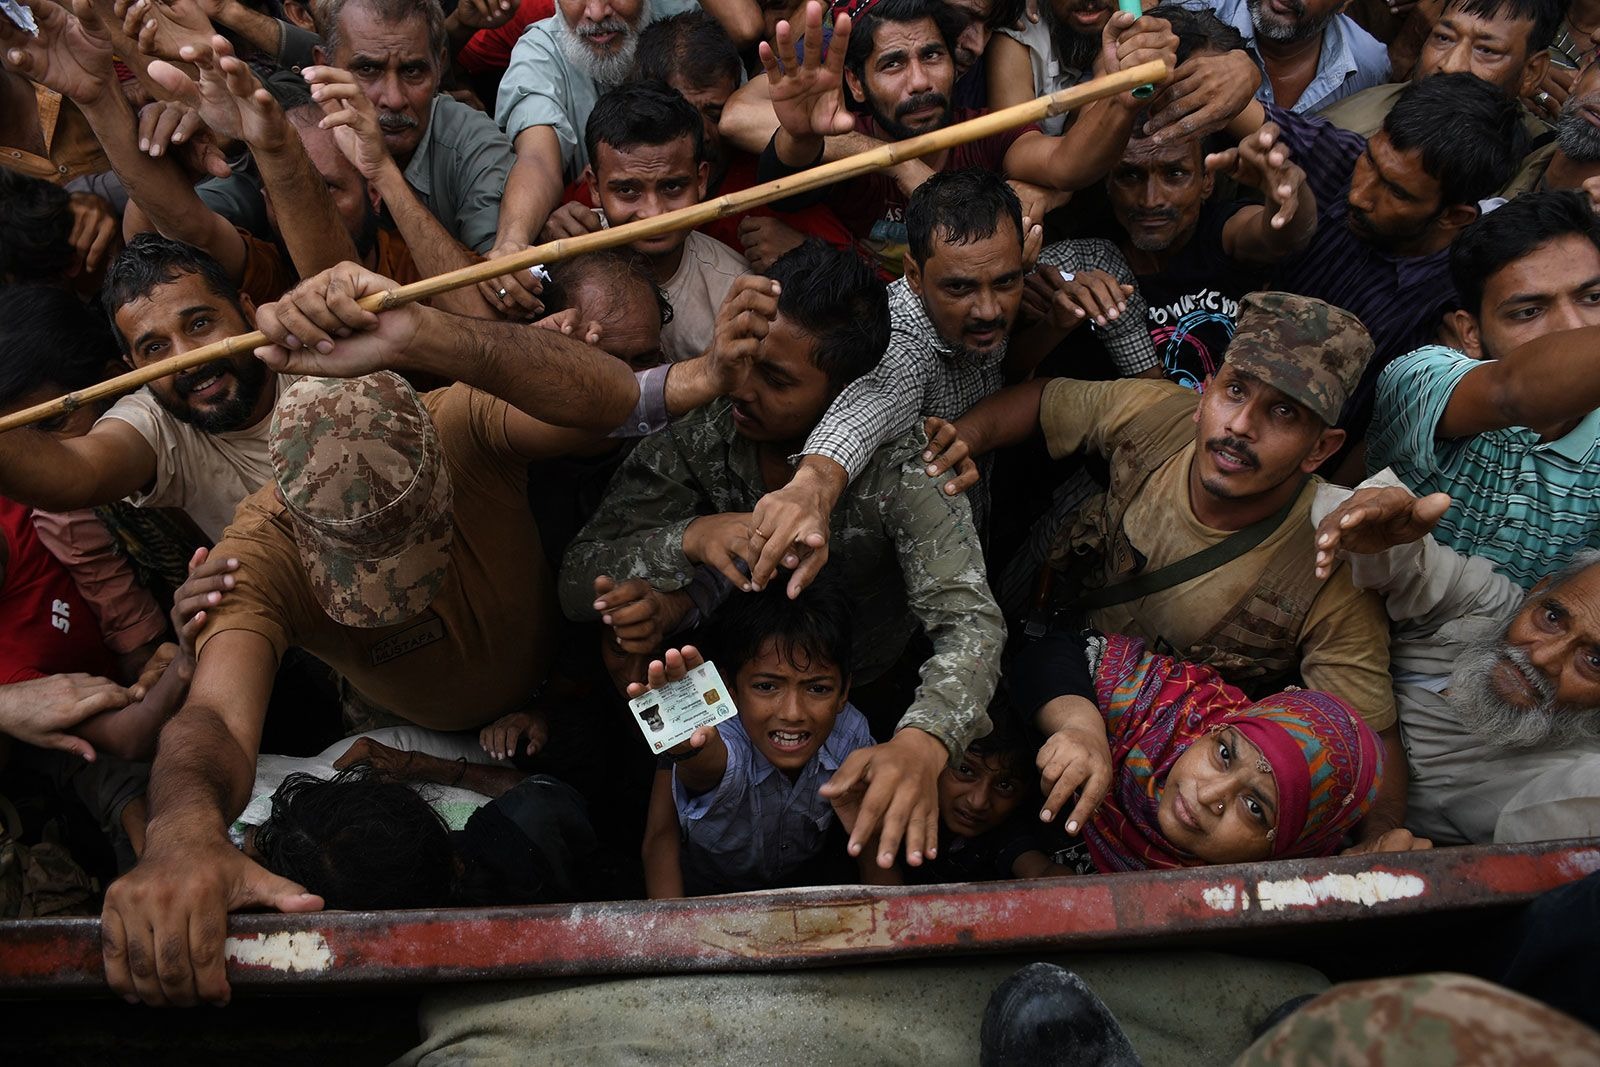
column 800, row 928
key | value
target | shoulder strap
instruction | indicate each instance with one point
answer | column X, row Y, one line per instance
column 1204, row 561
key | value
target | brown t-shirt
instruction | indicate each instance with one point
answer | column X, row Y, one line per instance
column 1344, row 639
column 268, row 274
column 481, row 649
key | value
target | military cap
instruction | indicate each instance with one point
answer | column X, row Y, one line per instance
column 365, row 483
column 1301, row 346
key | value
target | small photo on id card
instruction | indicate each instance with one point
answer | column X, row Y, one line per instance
column 670, row 715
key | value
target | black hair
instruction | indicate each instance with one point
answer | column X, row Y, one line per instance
column 605, row 268
column 692, row 46
column 150, row 261
column 1198, row 30
column 327, row 14
column 359, row 842
column 836, row 298
column 50, row 338
column 1004, row 14
column 289, row 89
column 35, row 229
column 1511, row 232
column 815, row 627
column 1546, row 16
column 949, row 21
column 959, row 206
column 1007, row 741
column 1469, row 134
column 643, row 113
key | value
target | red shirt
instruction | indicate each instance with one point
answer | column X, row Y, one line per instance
column 46, row 627
column 490, row 50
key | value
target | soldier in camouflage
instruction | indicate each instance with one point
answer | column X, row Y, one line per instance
column 907, row 550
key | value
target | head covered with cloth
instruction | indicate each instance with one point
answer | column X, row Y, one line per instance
column 1204, row 775
column 364, row 480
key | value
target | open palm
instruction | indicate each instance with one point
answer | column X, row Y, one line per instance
column 808, row 92
column 71, row 54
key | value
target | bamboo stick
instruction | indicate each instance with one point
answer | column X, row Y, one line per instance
column 880, row 158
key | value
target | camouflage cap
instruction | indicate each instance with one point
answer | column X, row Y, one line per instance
column 364, row 480
column 1301, row 346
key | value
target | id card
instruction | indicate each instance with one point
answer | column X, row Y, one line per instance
column 20, row 16
column 669, row 715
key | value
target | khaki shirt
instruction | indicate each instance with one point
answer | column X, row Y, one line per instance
column 1343, row 638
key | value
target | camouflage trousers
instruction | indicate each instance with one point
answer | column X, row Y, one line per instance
column 1424, row 1020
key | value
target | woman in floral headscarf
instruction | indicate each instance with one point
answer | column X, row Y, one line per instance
column 1177, row 768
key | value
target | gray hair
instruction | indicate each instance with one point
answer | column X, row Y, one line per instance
column 328, row 12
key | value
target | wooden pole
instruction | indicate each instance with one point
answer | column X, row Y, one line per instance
column 880, row 158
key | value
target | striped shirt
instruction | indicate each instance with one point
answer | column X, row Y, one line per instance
column 1527, row 506
column 1400, row 299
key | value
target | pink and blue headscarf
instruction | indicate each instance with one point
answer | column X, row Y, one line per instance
column 1326, row 761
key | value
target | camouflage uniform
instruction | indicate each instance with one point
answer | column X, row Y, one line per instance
column 907, row 550
column 1424, row 1020
column 1301, row 346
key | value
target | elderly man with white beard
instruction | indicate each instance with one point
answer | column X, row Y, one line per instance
column 558, row 70
column 1498, row 689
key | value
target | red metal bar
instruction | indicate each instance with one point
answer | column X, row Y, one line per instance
column 799, row 928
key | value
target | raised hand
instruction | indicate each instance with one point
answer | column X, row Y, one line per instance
column 744, row 318
column 808, row 92
column 1202, row 96
column 1074, row 760
column 348, row 112
column 1374, row 519
column 96, row 233
column 640, row 615
column 1069, row 300
column 162, row 28
column 71, row 54
column 1263, row 162
column 41, row 711
column 1127, row 42
column 890, row 793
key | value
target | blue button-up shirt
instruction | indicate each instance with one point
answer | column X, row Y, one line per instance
column 756, row 827
column 1351, row 60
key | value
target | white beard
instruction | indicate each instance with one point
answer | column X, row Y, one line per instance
column 612, row 69
column 1483, row 711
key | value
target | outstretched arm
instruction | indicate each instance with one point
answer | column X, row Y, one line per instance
column 807, row 92
column 1286, row 222
column 1542, row 385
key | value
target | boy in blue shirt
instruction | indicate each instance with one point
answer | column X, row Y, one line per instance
column 736, row 806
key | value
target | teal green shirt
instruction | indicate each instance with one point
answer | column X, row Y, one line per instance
column 1527, row 506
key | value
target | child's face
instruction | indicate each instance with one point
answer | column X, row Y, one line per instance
column 789, row 710
column 978, row 793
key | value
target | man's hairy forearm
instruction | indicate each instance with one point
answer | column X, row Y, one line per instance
column 201, row 778
column 258, row 29
column 543, row 373
column 433, row 248
column 313, row 232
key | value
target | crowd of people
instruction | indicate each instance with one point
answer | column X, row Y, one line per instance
column 1205, row 476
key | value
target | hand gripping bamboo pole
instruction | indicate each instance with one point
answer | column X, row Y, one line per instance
column 685, row 218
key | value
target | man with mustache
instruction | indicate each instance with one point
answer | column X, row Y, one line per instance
column 1193, row 257
column 1507, row 425
column 1498, row 689
column 891, row 77
column 1504, row 42
column 1388, row 208
column 1572, row 160
column 1189, row 472
column 1310, row 52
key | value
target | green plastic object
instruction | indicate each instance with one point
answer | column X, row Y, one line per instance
column 1136, row 9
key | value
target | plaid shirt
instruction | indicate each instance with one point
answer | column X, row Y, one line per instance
column 920, row 374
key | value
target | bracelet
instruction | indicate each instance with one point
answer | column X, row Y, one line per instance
column 680, row 757
column 463, row 761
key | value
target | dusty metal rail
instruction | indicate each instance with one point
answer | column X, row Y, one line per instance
column 817, row 927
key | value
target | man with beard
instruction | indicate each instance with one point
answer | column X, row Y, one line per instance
column 1388, row 208
column 897, row 69
column 1498, row 689
column 1508, row 427
column 1202, row 540
column 558, row 71
column 1572, row 160
column 1311, row 53
column 1504, row 42
column 1193, row 257
column 196, row 440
